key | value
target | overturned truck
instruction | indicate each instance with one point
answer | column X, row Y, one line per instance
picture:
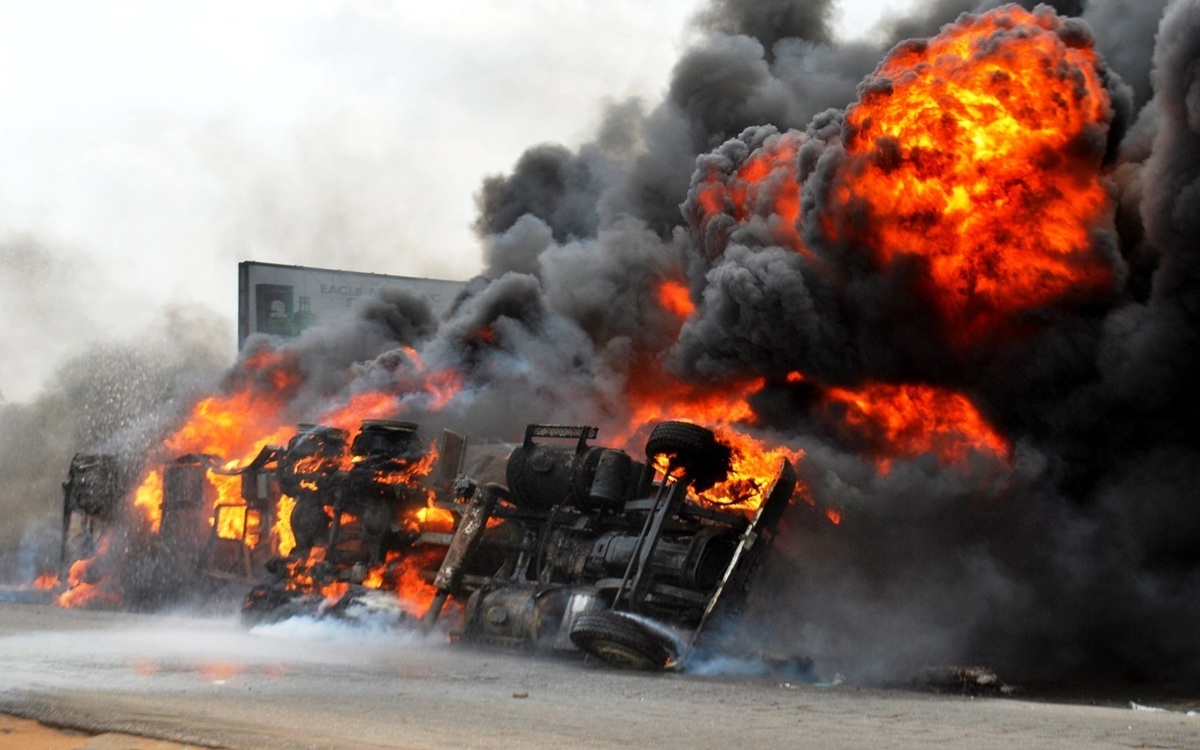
column 552, row 543
column 356, row 513
column 594, row 551
column 196, row 527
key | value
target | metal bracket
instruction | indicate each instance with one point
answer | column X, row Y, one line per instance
column 583, row 433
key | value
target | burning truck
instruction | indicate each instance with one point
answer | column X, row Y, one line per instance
column 551, row 543
column 619, row 558
column 353, row 514
column 335, row 507
column 91, row 495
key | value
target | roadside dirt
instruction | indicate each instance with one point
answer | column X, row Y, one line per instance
column 25, row 734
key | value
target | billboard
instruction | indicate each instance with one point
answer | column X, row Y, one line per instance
column 284, row 300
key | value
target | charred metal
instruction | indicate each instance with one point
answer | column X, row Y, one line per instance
column 614, row 558
column 553, row 543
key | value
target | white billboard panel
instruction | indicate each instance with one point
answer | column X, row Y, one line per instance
column 284, row 300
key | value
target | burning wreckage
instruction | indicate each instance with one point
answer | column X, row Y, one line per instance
column 551, row 543
column 968, row 295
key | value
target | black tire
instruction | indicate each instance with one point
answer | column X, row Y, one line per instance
column 618, row 641
column 695, row 448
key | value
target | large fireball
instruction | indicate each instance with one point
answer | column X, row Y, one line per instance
column 977, row 153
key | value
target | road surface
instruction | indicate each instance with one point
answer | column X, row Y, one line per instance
column 302, row 684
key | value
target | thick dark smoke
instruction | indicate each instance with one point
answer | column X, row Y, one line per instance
column 769, row 22
column 764, row 63
column 1015, row 565
column 549, row 183
column 925, row 19
column 1076, row 557
column 1125, row 33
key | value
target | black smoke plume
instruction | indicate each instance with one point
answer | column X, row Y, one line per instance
column 1017, row 565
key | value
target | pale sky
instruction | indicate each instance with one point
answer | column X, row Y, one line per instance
column 149, row 146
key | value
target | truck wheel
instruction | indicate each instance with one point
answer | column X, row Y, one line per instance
column 618, row 641
column 695, row 448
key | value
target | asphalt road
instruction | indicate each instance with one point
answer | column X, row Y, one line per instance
column 304, row 684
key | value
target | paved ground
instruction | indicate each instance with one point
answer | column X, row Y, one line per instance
column 208, row 682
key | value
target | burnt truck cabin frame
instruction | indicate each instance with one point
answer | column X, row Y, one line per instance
column 603, row 553
column 351, row 497
column 91, row 498
column 347, row 493
column 243, row 557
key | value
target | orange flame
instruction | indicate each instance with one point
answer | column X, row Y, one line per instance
column 401, row 574
column 435, row 519
column 252, row 414
column 980, row 155
column 754, row 468
column 285, row 540
column 725, row 409
column 910, row 420
column 233, row 426
column 674, row 296
column 148, row 499
column 45, row 581
column 764, row 186
column 368, row 405
column 240, row 423
column 85, row 582
column 436, row 386
column 658, row 396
